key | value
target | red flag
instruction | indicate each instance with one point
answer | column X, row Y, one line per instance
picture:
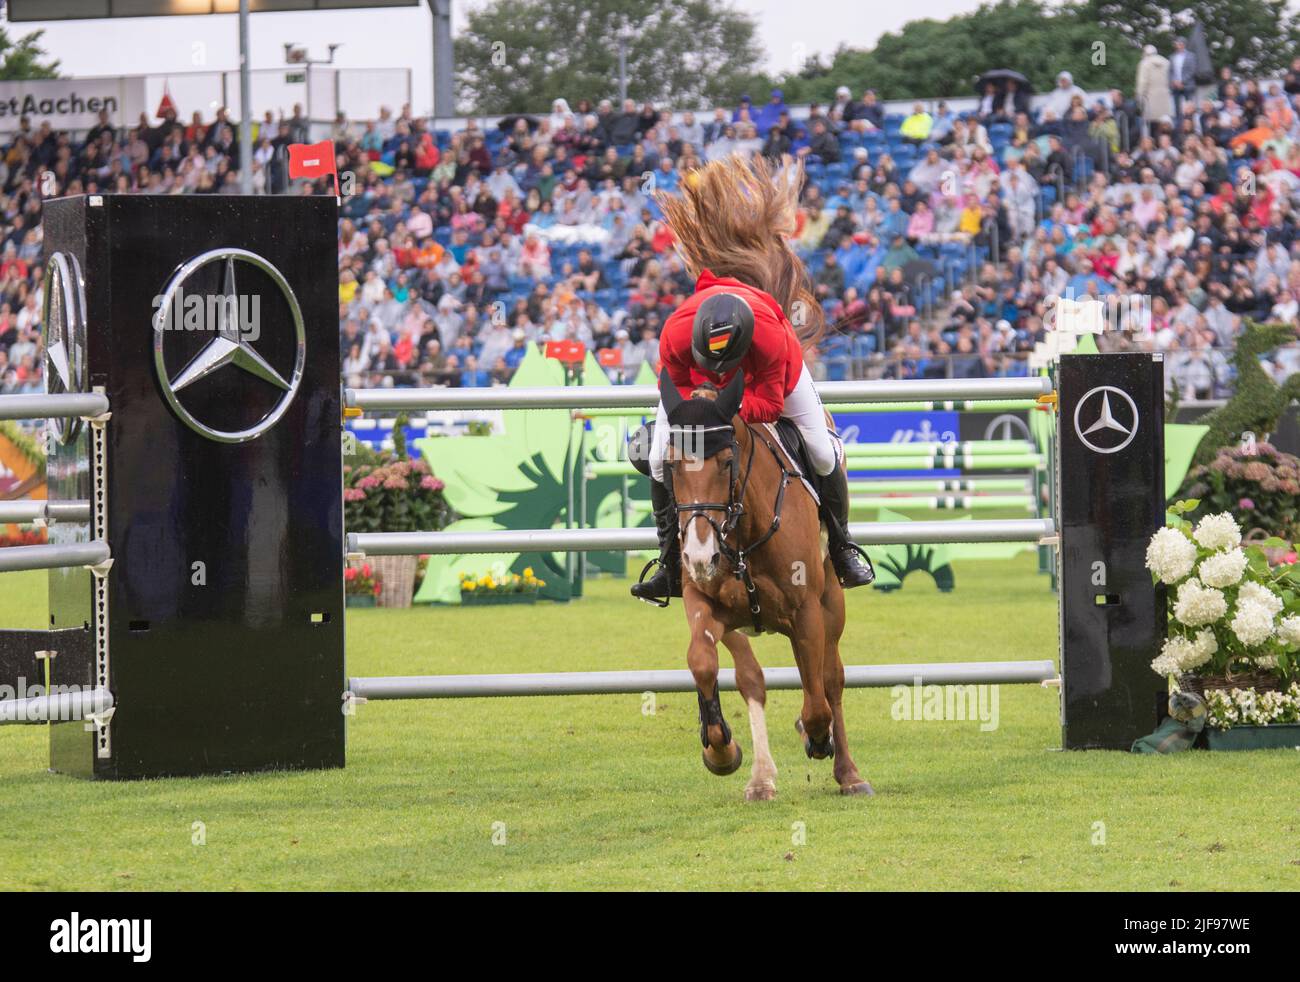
column 313, row 160
column 566, row 350
column 165, row 104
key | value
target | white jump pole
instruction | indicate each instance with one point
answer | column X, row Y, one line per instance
column 40, row 406
column 60, row 707
column 612, row 683
column 647, row 396
column 16, row 558
column 44, row 511
column 636, row 539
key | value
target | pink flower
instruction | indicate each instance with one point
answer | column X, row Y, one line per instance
column 353, row 494
column 1246, row 504
column 1289, row 559
column 395, row 484
column 431, row 484
column 369, row 481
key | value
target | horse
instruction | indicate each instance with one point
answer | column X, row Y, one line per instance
column 754, row 560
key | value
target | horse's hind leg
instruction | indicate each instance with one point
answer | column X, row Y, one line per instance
column 750, row 682
column 846, row 771
column 809, row 644
column 722, row 755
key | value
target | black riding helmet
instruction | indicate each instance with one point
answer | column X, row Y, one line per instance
column 723, row 332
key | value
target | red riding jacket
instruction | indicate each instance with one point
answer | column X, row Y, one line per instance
column 772, row 366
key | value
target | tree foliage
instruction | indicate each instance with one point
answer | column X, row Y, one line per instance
column 688, row 53
column 520, row 55
column 22, row 59
column 1253, row 37
column 930, row 59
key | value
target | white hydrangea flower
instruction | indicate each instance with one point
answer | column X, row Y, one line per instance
column 1170, row 555
column 1218, row 531
column 1253, row 623
column 1164, row 664
column 1197, row 604
column 1204, row 645
column 1175, row 654
column 1266, row 661
column 1288, row 630
column 1223, row 568
column 1257, row 593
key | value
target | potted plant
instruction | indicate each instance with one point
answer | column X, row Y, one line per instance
column 388, row 492
column 1233, row 627
column 507, row 588
column 361, row 587
column 1256, row 483
column 17, row 535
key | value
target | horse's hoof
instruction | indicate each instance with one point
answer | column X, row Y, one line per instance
column 730, row 767
column 760, row 792
column 814, row 749
column 862, row 788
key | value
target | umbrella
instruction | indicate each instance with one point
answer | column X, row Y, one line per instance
column 1000, row 76
column 507, row 123
column 1078, row 285
column 1197, row 46
column 919, row 269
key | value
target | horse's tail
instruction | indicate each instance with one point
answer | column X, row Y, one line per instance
column 735, row 217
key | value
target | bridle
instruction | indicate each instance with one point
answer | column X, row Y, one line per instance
column 733, row 509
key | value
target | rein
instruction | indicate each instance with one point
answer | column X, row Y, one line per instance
column 734, row 509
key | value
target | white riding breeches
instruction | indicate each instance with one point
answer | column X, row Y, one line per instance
column 803, row 407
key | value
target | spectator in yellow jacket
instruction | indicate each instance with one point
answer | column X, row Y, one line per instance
column 916, row 128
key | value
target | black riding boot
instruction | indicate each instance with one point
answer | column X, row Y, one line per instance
column 667, row 579
column 850, row 561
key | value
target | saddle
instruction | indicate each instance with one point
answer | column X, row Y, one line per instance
column 791, row 441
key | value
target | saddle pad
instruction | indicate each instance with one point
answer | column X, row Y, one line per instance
column 790, row 440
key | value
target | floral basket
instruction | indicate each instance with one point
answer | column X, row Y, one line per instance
column 361, row 585
column 1262, row 680
column 1233, row 617
column 389, row 492
column 396, row 579
column 1257, row 484
column 509, row 588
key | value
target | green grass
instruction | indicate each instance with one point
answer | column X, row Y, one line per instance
column 594, row 794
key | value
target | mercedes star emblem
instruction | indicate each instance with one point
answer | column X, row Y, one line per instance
column 1112, row 416
column 228, row 349
column 65, row 336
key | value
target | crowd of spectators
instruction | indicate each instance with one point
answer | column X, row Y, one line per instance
column 938, row 241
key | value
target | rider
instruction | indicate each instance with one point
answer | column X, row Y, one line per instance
column 724, row 327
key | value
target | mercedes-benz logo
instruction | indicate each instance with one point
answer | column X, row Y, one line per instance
column 64, row 318
column 1112, row 422
column 229, row 347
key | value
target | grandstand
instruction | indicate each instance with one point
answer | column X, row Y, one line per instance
column 939, row 236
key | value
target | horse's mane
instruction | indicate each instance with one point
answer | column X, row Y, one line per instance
column 735, row 217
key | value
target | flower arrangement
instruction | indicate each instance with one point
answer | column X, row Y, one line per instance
column 1257, row 484
column 1232, row 615
column 1235, row 707
column 501, row 585
column 361, row 581
column 391, row 494
column 13, row 535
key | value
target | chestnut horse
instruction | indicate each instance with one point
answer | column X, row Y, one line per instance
column 753, row 560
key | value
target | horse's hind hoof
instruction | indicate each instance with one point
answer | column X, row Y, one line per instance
column 814, row 749
column 725, row 768
column 760, row 792
column 861, row 788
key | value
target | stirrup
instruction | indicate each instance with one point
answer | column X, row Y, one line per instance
column 654, row 601
column 862, row 553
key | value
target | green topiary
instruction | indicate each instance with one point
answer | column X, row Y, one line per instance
column 1258, row 402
